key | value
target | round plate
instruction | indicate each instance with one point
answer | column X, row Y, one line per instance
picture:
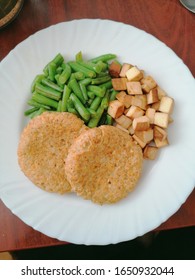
column 165, row 183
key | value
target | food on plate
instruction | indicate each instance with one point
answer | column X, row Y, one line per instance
column 103, row 164
column 81, row 87
column 141, row 108
column 43, row 146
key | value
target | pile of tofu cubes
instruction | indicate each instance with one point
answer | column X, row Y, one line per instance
column 141, row 107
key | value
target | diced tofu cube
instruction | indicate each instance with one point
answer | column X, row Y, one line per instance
column 119, row 83
column 124, row 69
column 134, row 74
column 152, row 96
column 124, row 121
column 166, row 104
column 145, row 135
column 139, row 141
column 114, row 69
column 150, row 112
column 131, row 130
column 156, row 105
column 140, row 101
column 145, row 88
column 159, row 133
column 141, row 123
column 124, row 98
column 161, row 92
column 115, row 109
column 160, row 144
column 149, row 82
column 150, row 152
column 134, row 112
column 161, row 119
column 121, row 128
column 134, row 88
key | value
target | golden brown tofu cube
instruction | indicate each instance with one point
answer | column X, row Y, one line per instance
column 134, row 112
column 114, row 69
column 166, row 104
column 152, row 96
column 145, row 135
column 139, row 141
column 150, row 152
column 134, row 74
column 124, row 121
column 119, row 83
column 124, row 69
column 134, row 88
column 150, row 112
column 149, row 82
column 115, row 109
column 161, row 119
column 161, row 92
column 140, row 101
column 160, row 133
column 124, row 98
column 156, row 105
column 141, row 123
column 160, row 143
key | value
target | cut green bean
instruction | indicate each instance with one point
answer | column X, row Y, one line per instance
column 86, row 81
column 91, row 94
column 37, row 105
column 79, row 56
column 77, row 67
column 109, row 120
column 30, row 111
column 91, row 66
column 52, row 71
column 73, row 111
column 37, row 113
column 51, row 84
column 101, row 80
column 104, row 57
column 59, row 108
column 84, row 91
column 93, row 122
column 65, row 97
column 83, row 112
column 79, row 75
column 98, row 91
column 58, row 59
column 113, row 95
column 44, row 100
column 73, row 84
column 48, row 92
column 65, row 75
column 36, row 80
column 95, row 103
column 107, row 85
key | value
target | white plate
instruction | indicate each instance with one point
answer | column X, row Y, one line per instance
column 165, row 183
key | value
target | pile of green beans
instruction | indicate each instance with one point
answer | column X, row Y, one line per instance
column 82, row 87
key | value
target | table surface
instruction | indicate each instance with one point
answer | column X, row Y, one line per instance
column 167, row 20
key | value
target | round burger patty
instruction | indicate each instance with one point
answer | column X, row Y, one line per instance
column 103, row 164
column 43, row 147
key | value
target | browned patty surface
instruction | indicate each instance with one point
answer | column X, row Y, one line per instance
column 103, row 164
column 43, row 147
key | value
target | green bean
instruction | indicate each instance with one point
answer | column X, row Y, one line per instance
column 79, row 75
column 84, row 91
column 65, row 97
column 91, row 66
column 113, row 95
column 37, row 113
column 105, row 100
column 98, row 91
column 59, row 70
column 101, row 80
column 30, row 111
column 73, row 84
column 86, row 81
column 51, row 84
column 109, row 120
column 48, row 92
column 52, row 71
column 70, row 104
column 65, row 75
column 79, row 56
column 93, row 122
column 37, row 105
column 59, row 108
column 92, row 112
column 77, row 67
column 44, row 100
column 73, row 111
column 36, row 80
column 58, row 82
column 104, row 57
column 103, row 65
column 91, row 94
column 95, row 103
column 58, row 59
column 83, row 112
column 102, row 120
column 107, row 85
